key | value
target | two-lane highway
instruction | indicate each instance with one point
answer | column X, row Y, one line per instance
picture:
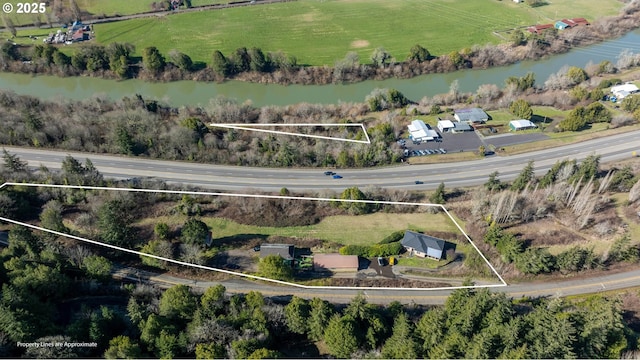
column 235, row 178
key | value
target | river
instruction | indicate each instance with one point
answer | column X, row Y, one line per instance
column 199, row 93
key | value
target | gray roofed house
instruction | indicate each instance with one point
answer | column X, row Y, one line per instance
column 471, row 115
column 423, row 245
column 286, row 251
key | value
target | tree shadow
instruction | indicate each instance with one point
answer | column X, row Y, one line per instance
column 240, row 240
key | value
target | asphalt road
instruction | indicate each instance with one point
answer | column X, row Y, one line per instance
column 453, row 174
column 614, row 281
column 234, row 178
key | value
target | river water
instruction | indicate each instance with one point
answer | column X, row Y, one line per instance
column 199, row 93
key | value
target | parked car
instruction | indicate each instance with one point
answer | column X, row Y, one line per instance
column 336, row 176
column 380, row 261
column 256, row 248
column 443, row 151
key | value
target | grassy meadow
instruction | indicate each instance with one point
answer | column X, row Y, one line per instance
column 320, row 32
column 345, row 230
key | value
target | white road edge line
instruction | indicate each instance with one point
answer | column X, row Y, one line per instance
column 183, row 192
column 250, row 126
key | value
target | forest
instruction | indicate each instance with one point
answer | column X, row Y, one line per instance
column 55, row 289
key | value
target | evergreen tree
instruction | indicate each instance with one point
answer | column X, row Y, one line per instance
column 152, row 60
column 402, row 343
column 525, row 177
column 521, row 109
column 340, row 336
column 297, row 314
column 438, row 197
column 494, row 184
column 319, row 314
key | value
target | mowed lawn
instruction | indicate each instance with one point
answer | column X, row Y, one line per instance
column 346, row 230
column 320, row 32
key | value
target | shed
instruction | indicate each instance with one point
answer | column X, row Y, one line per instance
column 445, row 125
column 561, row 25
column 538, row 29
column 335, row 263
column 423, row 245
column 580, row 21
column 286, row 251
column 471, row 116
column 522, row 124
column 419, row 131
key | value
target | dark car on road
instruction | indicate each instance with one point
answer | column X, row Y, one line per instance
column 418, row 182
column 336, row 176
column 329, row 173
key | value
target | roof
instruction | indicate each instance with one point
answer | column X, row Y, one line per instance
column 628, row 87
column 560, row 24
column 445, row 124
column 335, row 261
column 471, row 114
column 538, row 28
column 420, row 130
column 421, row 242
column 460, row 126
column 580, row 21
column 521, row 124
column 284, row 250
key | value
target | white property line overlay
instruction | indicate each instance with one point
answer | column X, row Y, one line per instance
column 249, row 127
column 183, row 192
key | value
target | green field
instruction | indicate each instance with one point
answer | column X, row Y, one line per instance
column 346, row 230
column 320, row 32
column 98, row 8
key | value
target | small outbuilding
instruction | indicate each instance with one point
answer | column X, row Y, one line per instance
column 422, row 245
column 516, row 125
column 285, row 251
column 471, row 116
column 538, row 29
column 561, row 25
column 335, row 263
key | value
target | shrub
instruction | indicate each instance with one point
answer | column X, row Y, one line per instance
column 373, row 250
column 394, row 237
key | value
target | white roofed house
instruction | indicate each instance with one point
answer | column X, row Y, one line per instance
column 419, row 131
